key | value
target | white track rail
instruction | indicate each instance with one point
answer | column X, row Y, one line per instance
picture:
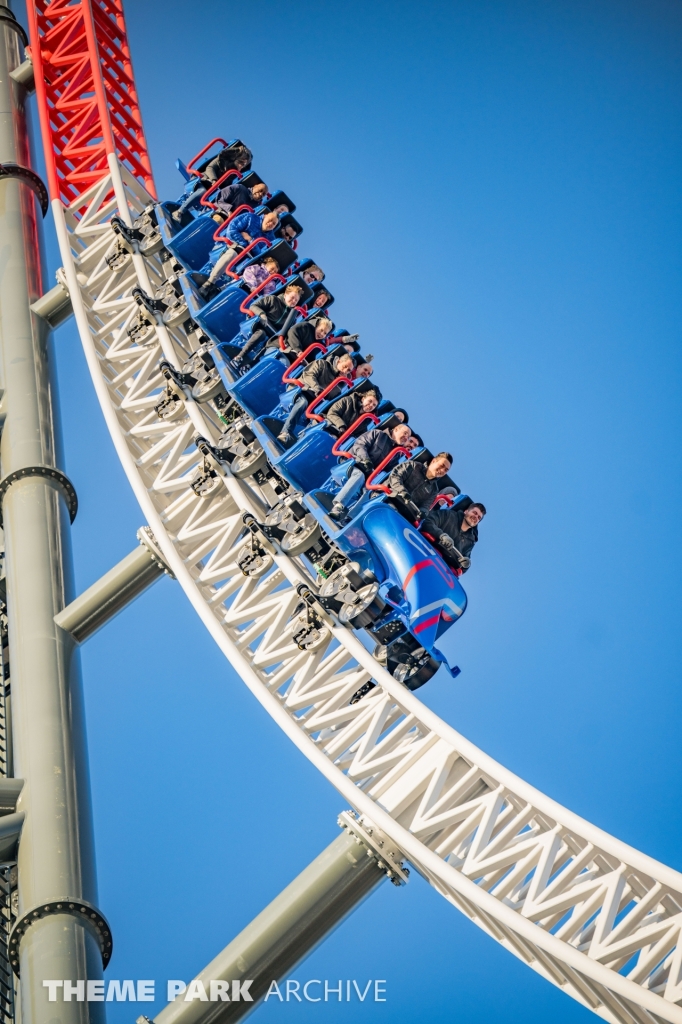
column 592, row 915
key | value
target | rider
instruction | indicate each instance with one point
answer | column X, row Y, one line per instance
column 258, row 273
column 322, row 299
column 454, row 532
column 416, row 485
column 277, row 313
column 346, row 410
column 227, row 199
column 312, row 274
column 304, row 333
column 236, row 194
column 315, row 378
column 234, row 157
column 369, row 451
column 245, row 228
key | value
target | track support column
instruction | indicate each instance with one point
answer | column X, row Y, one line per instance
column 290, row 928
column 67, row 938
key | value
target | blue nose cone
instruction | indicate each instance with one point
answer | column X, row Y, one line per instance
column 434, row 594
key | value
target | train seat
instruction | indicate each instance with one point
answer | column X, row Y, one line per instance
column 192, row 243
column 318, row 288
column 279, row 198
column 288, row 221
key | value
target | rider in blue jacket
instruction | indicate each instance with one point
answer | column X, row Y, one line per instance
column 241, row 231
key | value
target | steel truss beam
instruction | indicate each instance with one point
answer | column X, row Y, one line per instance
column 591, row 914
column 87, row 99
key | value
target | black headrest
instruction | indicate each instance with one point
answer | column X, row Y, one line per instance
column 318, row 314
column 279, row 198
column 392, row 420
column 338, row 350
column 307, row 291
column 406, row 415
column 281, row 251
column 286, row 221
column 334, row 350
column 317, row 289
column 306, row 264
column 250, row 180
column 367, row 384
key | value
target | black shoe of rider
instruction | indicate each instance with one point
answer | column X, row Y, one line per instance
column 338, row 512
column 363, row 691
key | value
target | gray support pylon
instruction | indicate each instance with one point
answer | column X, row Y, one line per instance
column 56, row 851
column 111, row 593
column 23, row 75
column 283, row 934
column 54, row 306
column 10, row 790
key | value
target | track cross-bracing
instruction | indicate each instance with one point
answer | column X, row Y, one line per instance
column 590, row 914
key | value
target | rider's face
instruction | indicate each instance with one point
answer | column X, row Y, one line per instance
column 401, row 435
column 473, row 516
column 439, row 466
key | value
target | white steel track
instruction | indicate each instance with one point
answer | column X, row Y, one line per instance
column 592, row 915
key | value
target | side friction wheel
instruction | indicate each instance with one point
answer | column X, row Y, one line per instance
column 298, row 542
column 248, row 464
column 205, row 390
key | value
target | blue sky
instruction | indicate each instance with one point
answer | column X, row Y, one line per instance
column 493, row 190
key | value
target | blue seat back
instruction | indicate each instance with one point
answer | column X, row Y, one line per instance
column 221, row 318
column 192, row 244
column 258, row 390
column 182, row 167
column 308, row 464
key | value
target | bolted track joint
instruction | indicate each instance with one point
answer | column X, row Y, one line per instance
column 83, row 911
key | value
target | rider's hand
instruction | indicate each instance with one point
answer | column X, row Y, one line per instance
column 446, row 542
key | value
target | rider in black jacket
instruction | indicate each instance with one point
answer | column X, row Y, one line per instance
column 454, row 532
column 315, row 378
column 346, row 410
column 416, row 484
column 304, row 333
column 277, row 313
column 369, row 451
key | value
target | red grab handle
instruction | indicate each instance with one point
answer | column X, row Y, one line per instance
column 217, row 236
column 252, row 295
column 242, row 254
column 204, row 201
column 336, row 450
column 323, row 394
column 370, row 485
column 287, row 378
column 195, row 159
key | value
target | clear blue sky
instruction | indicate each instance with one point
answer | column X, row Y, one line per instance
column 493, row 190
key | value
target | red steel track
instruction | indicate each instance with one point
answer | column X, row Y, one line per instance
column 86, row 94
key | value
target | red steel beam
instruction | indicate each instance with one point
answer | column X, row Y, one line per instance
column 86, row 94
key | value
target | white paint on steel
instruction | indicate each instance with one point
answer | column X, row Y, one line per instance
column 589, row 913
